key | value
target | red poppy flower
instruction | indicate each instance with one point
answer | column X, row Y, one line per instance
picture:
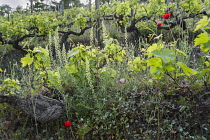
column 159, row 24
column 166, row 16
column 67, row 124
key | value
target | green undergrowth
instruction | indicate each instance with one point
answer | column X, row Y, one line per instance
column 114, row 92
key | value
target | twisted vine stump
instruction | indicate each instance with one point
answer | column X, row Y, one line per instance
column 42, row 108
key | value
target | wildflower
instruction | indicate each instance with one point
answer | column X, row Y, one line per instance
column 122, row 80
column 159, row 24
column 67, row 124
column 166, row 16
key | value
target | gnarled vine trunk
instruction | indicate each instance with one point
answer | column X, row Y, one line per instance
column 42, row 108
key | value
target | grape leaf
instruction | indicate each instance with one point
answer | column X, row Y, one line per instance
column 165, row 54
column 205, row 47
column 169, row 68
column 202, row 38
column 154, row 47
column 27, row 60
column 202, row 23
column 186, row 69
column 155, row 61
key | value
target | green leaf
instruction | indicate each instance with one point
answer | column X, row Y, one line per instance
column 205, row 47
column 154, row 47
column 180, row 74
column 169, row 68
column 154, row 62
column 153, row 69
column 186, row 69
column 202, row 38
column 202, row 23
column 72, row 53
column 207, row 63
column 165, row 54
column 27, row 60
column 158, row 74
column 202, row 73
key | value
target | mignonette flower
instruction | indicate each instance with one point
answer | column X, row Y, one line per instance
column 166, row 16
column 67, row 124
column 122, row 80
column 159, row 24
